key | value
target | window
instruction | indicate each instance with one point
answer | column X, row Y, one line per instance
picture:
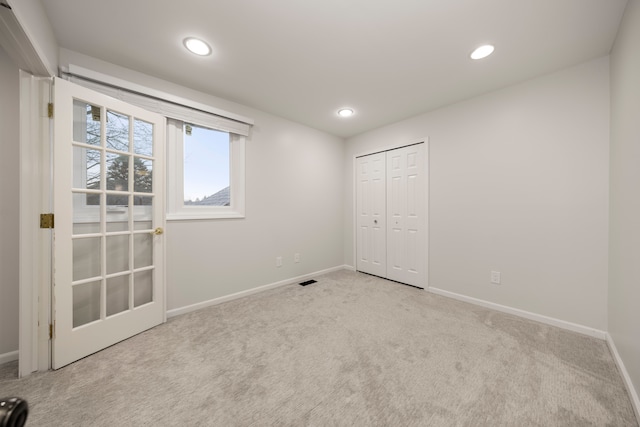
column 183, row 179
column 206, row 167
column 206, row 172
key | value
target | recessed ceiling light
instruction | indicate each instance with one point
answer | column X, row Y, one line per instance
column 482, row 52
column 197, row 46
column 345, row 112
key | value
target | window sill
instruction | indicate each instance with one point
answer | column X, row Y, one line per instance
column 188, row 216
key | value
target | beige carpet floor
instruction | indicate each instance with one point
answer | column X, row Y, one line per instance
column 351, row 349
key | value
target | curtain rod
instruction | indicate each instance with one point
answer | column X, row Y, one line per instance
column 103, row 81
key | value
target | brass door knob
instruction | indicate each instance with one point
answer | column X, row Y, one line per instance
column 158, row 231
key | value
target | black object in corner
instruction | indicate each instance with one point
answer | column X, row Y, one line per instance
column 308, row 282
column 13, row 412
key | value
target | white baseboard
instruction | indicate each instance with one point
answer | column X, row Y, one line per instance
column 8, row 357
column 581, row 329
column 193, row 307
column 633, row 394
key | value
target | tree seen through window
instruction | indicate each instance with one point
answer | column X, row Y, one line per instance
column 118, row 164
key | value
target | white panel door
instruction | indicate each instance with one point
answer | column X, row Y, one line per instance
column 109, row 214
column 371, row 252
column 406, row 234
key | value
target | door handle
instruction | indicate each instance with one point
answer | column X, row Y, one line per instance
column 158, row 231
column 375, row 221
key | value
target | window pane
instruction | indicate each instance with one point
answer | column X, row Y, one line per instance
column 86, row 123
column 87, row 254
column 143, row 219
column 86, row 220
column 142, row 137
column 86, row 168
column 117, row 213
column 117, row 294
column 86, row 303
column 117, row 253
column 206, row 167
column 143, row 181
column 117, row 131
column 142, row 288
column 117, row 172
column 143, row 250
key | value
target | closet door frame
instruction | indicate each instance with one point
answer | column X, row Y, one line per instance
column 425, row 220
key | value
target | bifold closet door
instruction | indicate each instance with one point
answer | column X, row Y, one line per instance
column 390, row 222
column 406, row 237
column 371, row 211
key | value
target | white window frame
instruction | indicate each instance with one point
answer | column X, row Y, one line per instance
column 176, row 209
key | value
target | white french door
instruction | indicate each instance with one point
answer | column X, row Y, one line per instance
column 109, row 218
column 391, row 215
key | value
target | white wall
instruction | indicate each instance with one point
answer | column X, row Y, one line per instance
column 33, row 20
column 9, row 207
column 518, row 184
column 294, row 205
column 294, row 185
column 624, row 256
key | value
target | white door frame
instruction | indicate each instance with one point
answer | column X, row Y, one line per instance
column 35, row 244
column 34, row 176
column 354, row 236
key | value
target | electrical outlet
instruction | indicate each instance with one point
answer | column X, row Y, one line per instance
column 279, row 261
column 296, row 258
column 495, row 277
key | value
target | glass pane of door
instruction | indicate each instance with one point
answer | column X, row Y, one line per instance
column 117, row 294
column 86, row 123
column 143, row 287
column 87, row 255
column 118, row 131
column 111, row 243
column 86, row 303
column 143, row 137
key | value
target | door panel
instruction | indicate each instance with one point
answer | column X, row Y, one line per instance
column 378, row 213
column 406, row 213
column 108, row 202
column 371, row 212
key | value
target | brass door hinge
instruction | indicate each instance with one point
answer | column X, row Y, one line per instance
column 51, row 331
column 50, row 110
column 46, row 220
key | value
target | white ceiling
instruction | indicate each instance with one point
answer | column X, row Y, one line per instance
column 304, row 59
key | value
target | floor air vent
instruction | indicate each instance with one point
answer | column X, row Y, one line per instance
column 308, row 282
